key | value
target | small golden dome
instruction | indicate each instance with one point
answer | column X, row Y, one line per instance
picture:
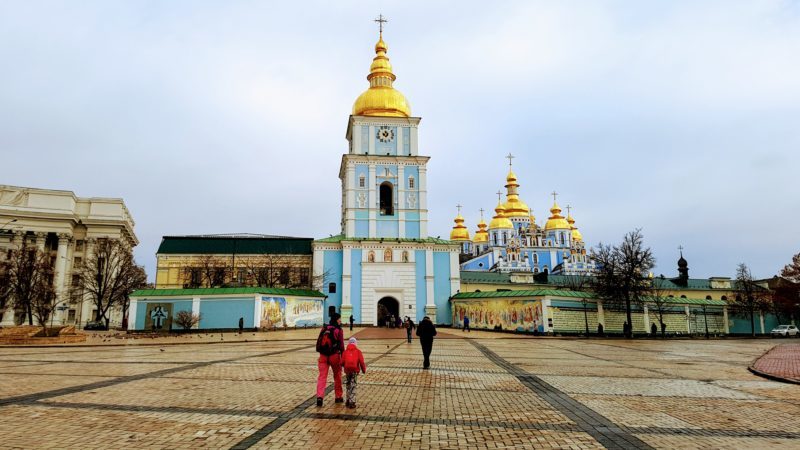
column 576, row 235
column 481, row 236
column 514, row 207
column 556, row 221
column 500, row 220
column 381, row 99
column 460, row 232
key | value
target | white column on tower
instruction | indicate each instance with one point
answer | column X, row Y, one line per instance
column 422, row 202
column 373, row 201
column 401, row 200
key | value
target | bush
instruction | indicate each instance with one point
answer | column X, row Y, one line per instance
column 186, row 320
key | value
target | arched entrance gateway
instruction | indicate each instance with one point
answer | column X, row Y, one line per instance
column 387, row 306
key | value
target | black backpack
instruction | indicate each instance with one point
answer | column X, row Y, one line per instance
column 327, row 344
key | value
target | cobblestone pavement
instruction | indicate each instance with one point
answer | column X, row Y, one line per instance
column 488, row 390
column 781, row 362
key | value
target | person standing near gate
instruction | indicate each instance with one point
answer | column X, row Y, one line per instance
column 426, row 330
column 351, row 322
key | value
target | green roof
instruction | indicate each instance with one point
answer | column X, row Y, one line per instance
column 225, row 291
column 572, row 294
column 239, row 244
column 340, row 237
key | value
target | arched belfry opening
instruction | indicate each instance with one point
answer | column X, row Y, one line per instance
column 387, row 307
column 387, row 199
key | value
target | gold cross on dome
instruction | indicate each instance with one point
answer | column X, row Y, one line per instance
column 569, row 209
column 509, row 157
column 499, row 195
column 459, row 208
column 481, row 213
column 381, row 20
column 554, row 194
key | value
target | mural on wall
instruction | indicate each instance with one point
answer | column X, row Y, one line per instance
column 158, row 317
column 519, row 315
column 292, row 312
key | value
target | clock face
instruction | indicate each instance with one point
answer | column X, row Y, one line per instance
column 385, row 134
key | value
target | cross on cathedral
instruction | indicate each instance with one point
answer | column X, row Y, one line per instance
column 499, row 195
column 459, row 209
column 680, row 249
column 569, row 210
column 509, row 157
column 381, row 20
column 554, row 194
column 481, row 213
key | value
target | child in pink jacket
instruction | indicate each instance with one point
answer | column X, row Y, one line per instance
column 353, row 361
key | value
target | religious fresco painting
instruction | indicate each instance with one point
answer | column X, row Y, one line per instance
column 292, row 312
column 519, row 315
column 158, row 317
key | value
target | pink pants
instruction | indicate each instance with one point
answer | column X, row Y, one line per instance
column 324, row 363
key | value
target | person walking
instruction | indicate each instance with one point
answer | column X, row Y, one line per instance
column 466, row 325
column 353, row 361
column 653, row 330
column 330, row 345
column 426, row 330
column 351, row 322
column 409, row 328
column 241, row 325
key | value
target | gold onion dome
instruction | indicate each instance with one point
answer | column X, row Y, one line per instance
column 556, row 221
column 460, row 232
column 481, row 236
column 500, row 220
column 514, row 207
column 381, row 99
column 576, row 235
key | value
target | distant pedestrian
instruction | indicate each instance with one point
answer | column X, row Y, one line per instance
column 399, row 322
column 466, row 325
column 663, row 329
column 353, row 361
column 653, row 329
column 625, row 328
column 351, row 322
column 330, row 345
column 241, row 325
column 409, row 328
column 599, row 329
column 426, row 330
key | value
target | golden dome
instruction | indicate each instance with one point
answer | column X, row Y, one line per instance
column 556, row 221
column 514, row 207
column 500, row 220
column 381, row 99
column 460, row 232
column 481, row 236
column 576, row 235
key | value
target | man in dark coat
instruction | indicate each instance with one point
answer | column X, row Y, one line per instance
column 426, row 330
column 351, row 322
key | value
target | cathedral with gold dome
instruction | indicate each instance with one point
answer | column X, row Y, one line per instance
column 514, row 242
column 382, row 263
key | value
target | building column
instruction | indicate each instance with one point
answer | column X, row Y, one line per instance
column 601, row 315
column 688, row 319
column 346, row 309
column 40, row 238
column 8, row 317
column 132, row 309
column 761, row 321
column 372, row 200
column 646, row 316
column 61, row 272
column 725, row 319
column 430, row 301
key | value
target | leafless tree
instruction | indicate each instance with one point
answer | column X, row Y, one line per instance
column 658, row 301
column 749, row 297
column 26, row 280
column 622, row 277
column 108, row 276
column 207, row 271
column 186, row 319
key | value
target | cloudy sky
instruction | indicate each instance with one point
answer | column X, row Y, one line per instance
column 681, row 118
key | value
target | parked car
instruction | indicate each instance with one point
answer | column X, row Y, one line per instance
column 785, row 331
column 96, row 325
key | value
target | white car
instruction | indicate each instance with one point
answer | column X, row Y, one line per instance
column 785, row 331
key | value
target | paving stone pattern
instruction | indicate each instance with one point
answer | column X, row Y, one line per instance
column 782, row 362
column 485, row 390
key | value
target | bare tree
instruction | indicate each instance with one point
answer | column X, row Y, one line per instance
column 207, row 271
column 578, row 283
column 792, row 271
column 26, row 280
column 622, row 277
column 108, row 276
column 749, row 297
column 135, row 278
column 186, row 319
column 658, row 301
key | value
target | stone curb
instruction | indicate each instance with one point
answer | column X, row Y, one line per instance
column 770, row 376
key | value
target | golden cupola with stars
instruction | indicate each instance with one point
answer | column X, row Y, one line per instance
column 481, row 236
column 381, row 99
column 460, row 231
column 576, row 235
column 500, row 221
column 556, row 221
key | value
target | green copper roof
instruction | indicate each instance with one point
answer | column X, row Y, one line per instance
column 239, row 244
column 340, row 237
column 225, row 291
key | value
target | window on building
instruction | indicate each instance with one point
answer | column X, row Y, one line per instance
column 505, row 238
column 284, row 277
column 79, row 245
column 77, row 262
column 371, row 256
column 362, row 181
column 387, row 199
column 331, row 288
column 708, row 297
column 304, row 276
column 411, row 182
column 725, row 298
column 387, row 255
column 405, row 256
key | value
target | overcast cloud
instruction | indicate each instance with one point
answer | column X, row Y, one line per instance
column 681, row 118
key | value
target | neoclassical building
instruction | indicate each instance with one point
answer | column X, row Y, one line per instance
column 67, row 227
column 383, row 262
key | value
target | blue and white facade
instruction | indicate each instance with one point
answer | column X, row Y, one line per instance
column 383, row 254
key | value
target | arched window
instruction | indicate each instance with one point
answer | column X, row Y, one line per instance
column 387, row 255
column 708, row 297
column 494, row 238
column 387, row 199
column 535, row 258
column 725, row 298
column 562, row 238
column 505, row 238
column 405, row 256
column 331, row 288
column 371, row 256
column 683, row 296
